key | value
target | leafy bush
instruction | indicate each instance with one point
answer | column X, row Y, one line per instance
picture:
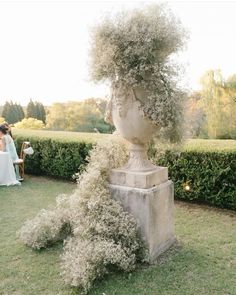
column 30, row 123
column 203, row 176
column 54, row 157
column 102, row 233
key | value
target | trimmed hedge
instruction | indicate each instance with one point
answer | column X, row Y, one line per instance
column 55, row 158
column 211, row 176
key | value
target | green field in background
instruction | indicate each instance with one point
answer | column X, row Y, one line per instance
column 60, row 135
column 189, row 145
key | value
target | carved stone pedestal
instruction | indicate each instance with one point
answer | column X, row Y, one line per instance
column 149, row 197
column 139, row 179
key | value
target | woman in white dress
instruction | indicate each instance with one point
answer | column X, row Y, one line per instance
column 8, row 146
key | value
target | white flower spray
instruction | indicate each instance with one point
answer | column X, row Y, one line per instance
column 136, row 49
column 100, row 233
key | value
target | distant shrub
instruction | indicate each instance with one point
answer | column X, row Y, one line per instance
column 2, row 120
column 30, row 123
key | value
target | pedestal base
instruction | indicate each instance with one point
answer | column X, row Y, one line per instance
column 139, row 179
column 153, row 209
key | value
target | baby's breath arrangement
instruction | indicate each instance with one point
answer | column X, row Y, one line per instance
column 47, row 227
column 100, row 234
column 135, row 49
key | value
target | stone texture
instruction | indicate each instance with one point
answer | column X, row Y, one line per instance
column 125, row 112
column 142, row 188
column 139, row 179
column 153, row 209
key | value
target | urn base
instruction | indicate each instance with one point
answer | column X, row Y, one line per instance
column 139, row 179
column 153, row 209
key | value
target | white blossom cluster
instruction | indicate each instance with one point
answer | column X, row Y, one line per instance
column 46, row 228
column 101, row 233
column 136, row 49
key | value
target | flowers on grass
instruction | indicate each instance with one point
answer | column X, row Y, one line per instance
column 100, row 234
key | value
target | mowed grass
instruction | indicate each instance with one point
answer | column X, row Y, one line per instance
column 202, row 263
column 191, row 144
column 24, row 271
column 211, row 145
column 61, row 135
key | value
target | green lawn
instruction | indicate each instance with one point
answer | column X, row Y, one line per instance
column 204, row 262
column 214, row 145
column 191, row 144
column 60, row 135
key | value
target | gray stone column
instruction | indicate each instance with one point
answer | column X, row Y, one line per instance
column 149, row 197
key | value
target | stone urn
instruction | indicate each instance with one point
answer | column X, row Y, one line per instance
column 142, row 188
column 125, row 113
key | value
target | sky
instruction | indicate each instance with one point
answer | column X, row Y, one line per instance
column 44, row 45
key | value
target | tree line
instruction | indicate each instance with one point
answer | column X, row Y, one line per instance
column 210, row 112
column 83, row 116
column 14, row 112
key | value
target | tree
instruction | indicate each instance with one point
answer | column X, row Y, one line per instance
column 20, row 112
column 219, row 104
column 40, row 111
column 6, row 111
column 30, row 123
column 231, row 82
column 36, row 110
column 12, row 112
column 56, row 119
column 195, row 116
column 31, row 111
column 84, row 116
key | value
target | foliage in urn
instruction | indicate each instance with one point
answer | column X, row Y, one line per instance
column 136, row 48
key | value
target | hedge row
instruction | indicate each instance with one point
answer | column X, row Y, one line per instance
column 209, row 176
column 55, row 158
column 203, row 177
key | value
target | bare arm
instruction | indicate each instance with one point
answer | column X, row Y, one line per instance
column 3, row 147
